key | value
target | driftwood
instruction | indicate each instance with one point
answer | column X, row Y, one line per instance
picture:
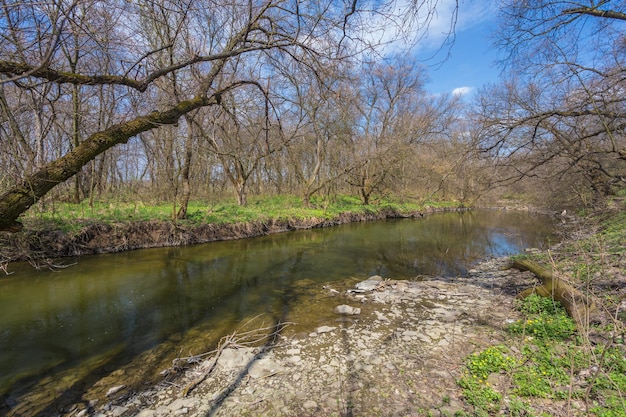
column 578, row 305
column 265, row 335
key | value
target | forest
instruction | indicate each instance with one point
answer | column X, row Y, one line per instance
column 172, row 101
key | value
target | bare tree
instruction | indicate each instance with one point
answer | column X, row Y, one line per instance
column 389, row 104
column 563, row 112
column 152, row 47
column 238, row 134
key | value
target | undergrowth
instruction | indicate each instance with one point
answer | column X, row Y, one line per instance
column 550, row 366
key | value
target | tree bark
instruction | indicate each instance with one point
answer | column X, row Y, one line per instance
column 185, row 173
column 17, row 200
column 578, row 305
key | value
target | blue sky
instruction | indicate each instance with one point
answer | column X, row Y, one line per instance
column 471, row 63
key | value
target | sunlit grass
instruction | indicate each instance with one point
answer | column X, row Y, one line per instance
column 68, row 216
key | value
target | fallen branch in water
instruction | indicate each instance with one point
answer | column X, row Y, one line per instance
column 264, row 335
column 3, row 268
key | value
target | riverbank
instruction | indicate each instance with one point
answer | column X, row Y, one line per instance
column 42, row 244
column 395, row 348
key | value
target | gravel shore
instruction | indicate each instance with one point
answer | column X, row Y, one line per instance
column 395, row 348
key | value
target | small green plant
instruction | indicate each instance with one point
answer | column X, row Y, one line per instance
column 493, row 359
column 519, row 408
column 476, row 388
column 479, row 394
column 545, row 318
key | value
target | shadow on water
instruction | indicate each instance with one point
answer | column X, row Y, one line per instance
column 67, row 337
column 280, row 315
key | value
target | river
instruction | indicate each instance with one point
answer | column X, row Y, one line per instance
column 63, row 332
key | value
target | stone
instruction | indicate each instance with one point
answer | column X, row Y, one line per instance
column 369, row 284
column 347, row 310
column 324, row 329
column 115, row 390
column 180, row 403
column 380, row 316
column 309, row 404
column 295, row 359
column 235, row 358
column 263, row 367
column 117, row 411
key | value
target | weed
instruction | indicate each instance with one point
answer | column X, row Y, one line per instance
column 475, row 384
column 477, row 393
column 493, row 359
column 545, row 318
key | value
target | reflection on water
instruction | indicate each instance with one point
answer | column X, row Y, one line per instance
column 85, row 321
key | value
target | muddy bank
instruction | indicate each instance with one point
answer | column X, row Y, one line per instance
column 44, row 245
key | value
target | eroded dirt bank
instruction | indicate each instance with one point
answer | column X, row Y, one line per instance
column 41, row 246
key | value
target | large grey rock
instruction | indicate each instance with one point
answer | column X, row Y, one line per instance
column 369, row 284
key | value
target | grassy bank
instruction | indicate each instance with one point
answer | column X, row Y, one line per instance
column 68, row 217
column 63, row 229
column 547, row 365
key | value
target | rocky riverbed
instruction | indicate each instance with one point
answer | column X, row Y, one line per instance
column 393, row 348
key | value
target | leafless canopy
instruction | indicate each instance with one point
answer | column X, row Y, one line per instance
column 96, row 74
column 562, row 110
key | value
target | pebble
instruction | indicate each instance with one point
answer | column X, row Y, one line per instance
column 347, row 310
column 309, row 404
column 324, row 329
column 115, row 390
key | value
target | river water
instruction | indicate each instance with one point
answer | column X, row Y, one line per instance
column 121, row 317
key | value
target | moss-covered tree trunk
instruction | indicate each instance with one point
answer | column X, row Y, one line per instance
column 578, row 305
column 20, row 198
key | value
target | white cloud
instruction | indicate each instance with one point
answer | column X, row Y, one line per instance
column 470, row 14
column 400, row 26
column 461, row 91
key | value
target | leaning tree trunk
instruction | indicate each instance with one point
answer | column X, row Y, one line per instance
column 578, row 305
column 20, row 198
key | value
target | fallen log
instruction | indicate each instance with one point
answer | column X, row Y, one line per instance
column 578, row 305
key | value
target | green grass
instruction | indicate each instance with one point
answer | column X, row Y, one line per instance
column 68, row 216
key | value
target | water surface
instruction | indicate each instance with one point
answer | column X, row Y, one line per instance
column 62, row 332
